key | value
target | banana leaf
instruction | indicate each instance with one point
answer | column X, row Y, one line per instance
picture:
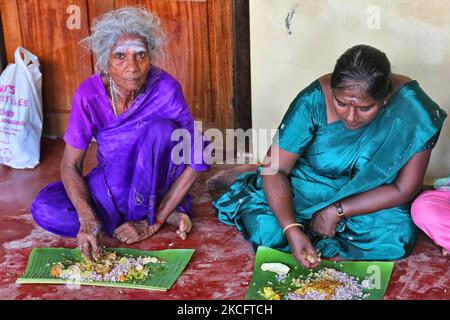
column 160, row 278
column 377, row 273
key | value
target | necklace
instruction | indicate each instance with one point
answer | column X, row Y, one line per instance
column 113, row 99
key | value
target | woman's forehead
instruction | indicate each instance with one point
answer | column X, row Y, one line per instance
column 357, row 94
column 130, row 42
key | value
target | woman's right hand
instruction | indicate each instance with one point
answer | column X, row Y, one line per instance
column 88, row 237
column 302, row 248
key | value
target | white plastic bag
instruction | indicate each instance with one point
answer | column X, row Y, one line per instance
column 21, row 111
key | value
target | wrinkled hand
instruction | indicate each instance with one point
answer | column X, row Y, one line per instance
column 88, row 237
column 302, row 248
column 324, row 222
column 135, row 231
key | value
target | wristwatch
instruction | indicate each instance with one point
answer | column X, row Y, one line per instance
column 340, row 210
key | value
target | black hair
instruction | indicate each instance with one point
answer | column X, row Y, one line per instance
column 363, row 65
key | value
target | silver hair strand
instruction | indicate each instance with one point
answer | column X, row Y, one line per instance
column 126, row 20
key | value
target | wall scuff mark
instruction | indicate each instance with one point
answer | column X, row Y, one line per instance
column 290, row 16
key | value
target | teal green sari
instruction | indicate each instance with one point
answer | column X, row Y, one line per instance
column 336, row 163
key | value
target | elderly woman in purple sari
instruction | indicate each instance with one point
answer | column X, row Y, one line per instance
column 131, row 108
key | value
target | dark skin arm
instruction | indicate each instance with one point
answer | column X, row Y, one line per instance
column 405, row 188
column 277, row 188
column 177, row 192
column 78, row 193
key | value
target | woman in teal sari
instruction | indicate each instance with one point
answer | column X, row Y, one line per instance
column 350, row 154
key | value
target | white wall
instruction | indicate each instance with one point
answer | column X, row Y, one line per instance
column 293, row 42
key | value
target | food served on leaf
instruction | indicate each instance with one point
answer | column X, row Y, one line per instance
column 311, row 258
column 324, row 284
column 109, row 267
column 278, row 268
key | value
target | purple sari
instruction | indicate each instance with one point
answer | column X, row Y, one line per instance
column 135, row 169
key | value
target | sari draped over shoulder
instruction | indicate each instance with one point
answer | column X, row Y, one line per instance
column 336, row 163
column 135, row 166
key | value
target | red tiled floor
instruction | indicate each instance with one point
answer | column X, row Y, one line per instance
column 221, row 267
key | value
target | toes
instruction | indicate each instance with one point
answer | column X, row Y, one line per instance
column 185, row 223
column 183, row 220
column 182, row 227
column 216, row 184
column 188, row 225
column 182, row 234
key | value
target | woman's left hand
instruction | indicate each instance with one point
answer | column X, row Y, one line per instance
column 135, row 231
column 324, row 222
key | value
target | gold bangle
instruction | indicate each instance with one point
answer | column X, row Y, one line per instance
column 293, row 225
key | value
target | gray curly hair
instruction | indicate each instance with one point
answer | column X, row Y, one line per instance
column 126, row 20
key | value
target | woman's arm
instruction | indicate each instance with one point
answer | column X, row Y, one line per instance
column 177, row 192
column 405, row 188
column 78, row 193
column 277, row 188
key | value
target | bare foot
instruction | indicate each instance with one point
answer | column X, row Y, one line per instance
column 182, row 221
column 224, row 179
column 445, row 253
column 336, row 258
